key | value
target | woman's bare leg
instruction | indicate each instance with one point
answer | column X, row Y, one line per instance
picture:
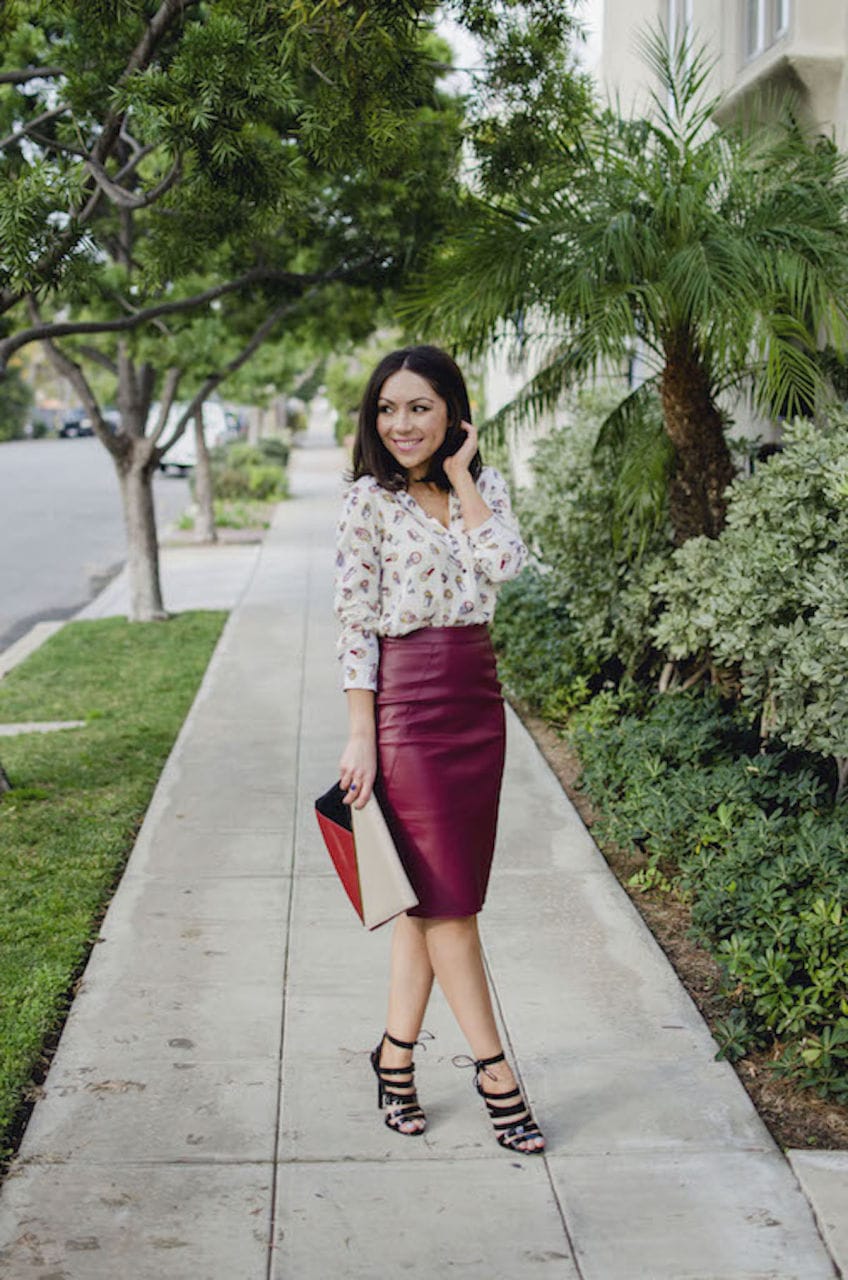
column 453, row 946
column 410, row 984
column 411, row 978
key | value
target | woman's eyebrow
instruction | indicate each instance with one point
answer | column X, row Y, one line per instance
column 414, row 400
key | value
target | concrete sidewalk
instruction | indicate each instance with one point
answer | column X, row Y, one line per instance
column 210, row 1112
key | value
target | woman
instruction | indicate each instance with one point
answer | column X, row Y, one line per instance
column 425, row 537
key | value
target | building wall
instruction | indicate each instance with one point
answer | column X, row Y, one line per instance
column 623, row 74
column 802, row 44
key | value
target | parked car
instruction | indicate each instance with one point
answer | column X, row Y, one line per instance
column 78, row 423
column 75, row 423
column 182, row 455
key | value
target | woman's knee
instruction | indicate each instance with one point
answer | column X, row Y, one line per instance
column 452, row 930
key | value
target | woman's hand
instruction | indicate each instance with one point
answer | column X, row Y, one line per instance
column 459, row 462
column 358, row 768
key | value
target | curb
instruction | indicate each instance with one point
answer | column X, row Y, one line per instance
column 41, row 631
column 27, row 644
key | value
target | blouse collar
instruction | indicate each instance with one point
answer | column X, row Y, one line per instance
column 431, row 522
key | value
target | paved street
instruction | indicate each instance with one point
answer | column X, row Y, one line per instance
column 61, row 527
column 210, row 1115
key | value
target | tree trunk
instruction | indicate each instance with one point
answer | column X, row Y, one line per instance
column 135, row 473
column 703, row 467
column 204, row 523
column 5, row 784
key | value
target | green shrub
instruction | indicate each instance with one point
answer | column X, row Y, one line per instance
column 728, row 801
column 15, row 401
column 750, row 840
column 538, row 659
column 769, row 597
column 599, row 566
column 266, row 482
column 273, row 449
column 242, row 471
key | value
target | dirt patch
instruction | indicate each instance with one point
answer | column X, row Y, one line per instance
column 795, row 1117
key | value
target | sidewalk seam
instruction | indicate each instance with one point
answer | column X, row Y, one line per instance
column 518, row 1075
column 278, row 1118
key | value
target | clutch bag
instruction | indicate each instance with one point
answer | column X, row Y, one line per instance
column 365, row 858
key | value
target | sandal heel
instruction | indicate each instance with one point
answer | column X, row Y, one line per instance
column 397, row 1094
column 513, row 1122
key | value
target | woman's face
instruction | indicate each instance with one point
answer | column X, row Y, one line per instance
column 412, row 420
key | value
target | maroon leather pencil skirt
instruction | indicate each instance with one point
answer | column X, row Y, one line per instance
column 441, row 744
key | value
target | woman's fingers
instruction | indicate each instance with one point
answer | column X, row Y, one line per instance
column 362, row 795
column 357, row 796
column 357, row 771
column 357, row 789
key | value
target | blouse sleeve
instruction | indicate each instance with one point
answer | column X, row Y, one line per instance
column 496, row 545
column 357, row 590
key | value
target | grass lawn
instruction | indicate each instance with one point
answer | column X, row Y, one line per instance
column 79, row 797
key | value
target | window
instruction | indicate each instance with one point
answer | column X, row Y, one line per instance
column 679, row 16
column 680, row 26
column 755, row 27
column 765, row 22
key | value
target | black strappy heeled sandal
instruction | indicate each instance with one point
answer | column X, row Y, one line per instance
column 513, row 1123
column 401, row 1107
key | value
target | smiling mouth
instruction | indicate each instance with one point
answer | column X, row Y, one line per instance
column 409, row 444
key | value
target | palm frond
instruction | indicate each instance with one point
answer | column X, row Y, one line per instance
column 482, row 275
column 628, row 416
column 564, row 367
column 641, row 479
column 633, row 447
column 790, row 376
column 683, row 69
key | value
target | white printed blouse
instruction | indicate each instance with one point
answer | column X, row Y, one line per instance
column 398, row 569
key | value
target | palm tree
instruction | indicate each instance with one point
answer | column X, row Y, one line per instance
column 721, row 253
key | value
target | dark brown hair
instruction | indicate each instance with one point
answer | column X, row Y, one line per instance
column 370, row 455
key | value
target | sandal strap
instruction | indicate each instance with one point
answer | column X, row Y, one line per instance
column 479, row 1064
column 506, row 1126
column 398, row 1071
column 406, row 1044
column 512, row 1093
column 516, row 1109
column 401, row 1105
column 389, row 1092
column 395, row 1117
column 519, row 1133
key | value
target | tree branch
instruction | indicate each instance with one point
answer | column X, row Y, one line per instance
column 136, row 158
column 69, row 369
column 53, row 144
column 215, row 379
column 33, row 124
column 256, row 275
column 169, row 391
column 140, row 58
column 30, row 73
column 120, row 196
column 96, row 356
column 133, row 311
